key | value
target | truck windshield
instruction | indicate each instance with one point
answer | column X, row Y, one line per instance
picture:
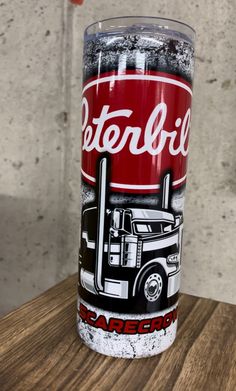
column 156, row 227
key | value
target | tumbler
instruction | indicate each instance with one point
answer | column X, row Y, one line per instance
column 136, row 113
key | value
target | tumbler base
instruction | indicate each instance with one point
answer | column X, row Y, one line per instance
column 126, row 345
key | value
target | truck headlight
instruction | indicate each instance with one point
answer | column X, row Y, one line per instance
column 173, row 259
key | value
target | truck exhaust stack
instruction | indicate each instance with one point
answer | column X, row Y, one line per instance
column 101, row 222
column 166, row 192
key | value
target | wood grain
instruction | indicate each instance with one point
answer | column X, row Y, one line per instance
column 40, row 350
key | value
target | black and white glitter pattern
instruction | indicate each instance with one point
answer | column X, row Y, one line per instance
column 120, row 199
column 120, row 52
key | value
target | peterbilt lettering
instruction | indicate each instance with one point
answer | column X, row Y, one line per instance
column 101, row 138
column 134, row 254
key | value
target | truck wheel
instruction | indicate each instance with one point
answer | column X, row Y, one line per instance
column 153, row 289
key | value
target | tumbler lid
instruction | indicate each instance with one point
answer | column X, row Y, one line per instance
column 144, row 25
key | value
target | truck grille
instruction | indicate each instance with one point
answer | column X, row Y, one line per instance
column 139, row 254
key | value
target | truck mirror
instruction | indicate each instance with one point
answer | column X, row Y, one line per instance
column 177, row 221
column 116, row 219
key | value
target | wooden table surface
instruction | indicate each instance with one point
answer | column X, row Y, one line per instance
column 40, row 350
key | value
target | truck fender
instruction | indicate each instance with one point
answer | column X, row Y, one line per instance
column 153, row 262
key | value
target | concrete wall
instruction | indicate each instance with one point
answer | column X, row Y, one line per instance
column 40, row 84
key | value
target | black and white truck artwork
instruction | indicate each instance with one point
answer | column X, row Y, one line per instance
column 130, row 256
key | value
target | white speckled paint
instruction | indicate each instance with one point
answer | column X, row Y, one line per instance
column 126, row 346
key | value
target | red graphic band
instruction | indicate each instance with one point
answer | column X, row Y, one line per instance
column 142, row 121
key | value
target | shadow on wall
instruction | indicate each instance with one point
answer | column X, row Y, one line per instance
column 28, row 250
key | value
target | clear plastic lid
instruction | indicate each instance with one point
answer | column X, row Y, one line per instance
column 141, row 25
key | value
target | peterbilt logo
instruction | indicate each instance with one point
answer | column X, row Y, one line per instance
column 136, row 120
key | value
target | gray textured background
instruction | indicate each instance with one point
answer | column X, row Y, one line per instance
column 40, row 84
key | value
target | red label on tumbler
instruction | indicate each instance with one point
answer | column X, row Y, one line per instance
column 136, row 112
column 135, row 118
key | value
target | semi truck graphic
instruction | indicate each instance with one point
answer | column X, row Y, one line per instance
column 131, row 254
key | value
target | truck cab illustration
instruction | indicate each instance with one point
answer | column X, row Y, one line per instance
column 131, row 253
